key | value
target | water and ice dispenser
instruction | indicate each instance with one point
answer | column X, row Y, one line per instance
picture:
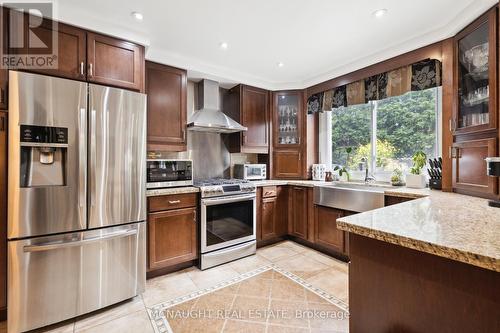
column 43, row 156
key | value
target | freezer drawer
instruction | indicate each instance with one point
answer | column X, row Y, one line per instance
column 54, row 278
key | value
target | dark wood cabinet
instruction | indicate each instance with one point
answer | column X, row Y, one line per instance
column 80, row 55
column 250, row 107
column 273, row 202
column 469, row 167
column 390, row 200
column 4, row 92
column 172, row 237
column 298, row 221
column 172, row 230
column 3, row 212
column 114, row 62
column 4, row 73
column 268, row 227
column 167, row 98
column 326, row 233
column 475, row 86
column 287, row 164
column 288, row 135
column 288, row 117
column 71, row 49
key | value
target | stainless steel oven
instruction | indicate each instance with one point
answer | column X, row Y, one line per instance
column 163, row 173
column 228, row 222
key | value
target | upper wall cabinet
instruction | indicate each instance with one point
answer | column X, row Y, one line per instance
column 166, row 88
column 81, row 55
column 288, row 135
column 476, row 76
column 71, row 47
column 114, row 62
column 288, row 118
column 250, row 107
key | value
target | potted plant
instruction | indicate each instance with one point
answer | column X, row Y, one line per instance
column 397, row 177
column 416, row 179
column 343, row 169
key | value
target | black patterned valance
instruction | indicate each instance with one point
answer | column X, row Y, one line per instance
column 418, row 76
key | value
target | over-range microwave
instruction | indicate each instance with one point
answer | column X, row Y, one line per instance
column 250, row 171
column 169, row 173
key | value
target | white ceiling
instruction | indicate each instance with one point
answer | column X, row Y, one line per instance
column 315, row 39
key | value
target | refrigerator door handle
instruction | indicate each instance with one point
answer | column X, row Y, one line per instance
column 82, row 179
column 93, row 156
column 55, row 246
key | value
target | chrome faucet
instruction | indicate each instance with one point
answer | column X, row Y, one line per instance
column 368, row 178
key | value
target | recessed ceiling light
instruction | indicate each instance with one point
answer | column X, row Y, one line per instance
column 379, row 12
column 280, row 64
column 138, row 16
column 223, row 45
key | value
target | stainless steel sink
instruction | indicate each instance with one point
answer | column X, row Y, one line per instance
column 351, row 197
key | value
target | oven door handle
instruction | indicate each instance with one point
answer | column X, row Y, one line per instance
column 217, row 201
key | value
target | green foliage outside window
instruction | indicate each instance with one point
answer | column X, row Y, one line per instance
column 404, row 125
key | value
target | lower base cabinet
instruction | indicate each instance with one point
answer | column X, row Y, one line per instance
column 272, row 208
column 469, row 176
column 172, row 236
column 298, row 224
column 325, row 228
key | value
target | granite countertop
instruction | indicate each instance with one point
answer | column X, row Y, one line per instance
column 449, row 225
column 277, row 182
column 172, row 190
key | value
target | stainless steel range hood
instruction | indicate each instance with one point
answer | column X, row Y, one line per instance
column 209, row 118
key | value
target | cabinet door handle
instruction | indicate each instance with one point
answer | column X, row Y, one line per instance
column 194, row 216
column 82, row 69
column 174, row 202
column 2, row 95
column 184, row 134
column 2, row 124
column 90, row 70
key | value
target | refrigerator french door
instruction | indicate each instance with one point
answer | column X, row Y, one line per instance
column 76, row 198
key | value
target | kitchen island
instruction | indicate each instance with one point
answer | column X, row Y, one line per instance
column 426, row 265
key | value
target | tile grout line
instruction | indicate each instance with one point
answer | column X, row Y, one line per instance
column 230, row 308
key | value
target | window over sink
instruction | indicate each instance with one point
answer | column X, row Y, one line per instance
column 385, row 133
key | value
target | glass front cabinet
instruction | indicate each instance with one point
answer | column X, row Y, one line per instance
column 476, row 76
column 287, row 119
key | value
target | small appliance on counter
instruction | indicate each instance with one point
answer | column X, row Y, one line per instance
column 435, row 171
column 493, row 170
column 249, row 171
column 318, row 171
column 163, row 173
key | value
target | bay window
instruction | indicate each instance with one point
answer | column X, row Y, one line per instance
column 386, row 133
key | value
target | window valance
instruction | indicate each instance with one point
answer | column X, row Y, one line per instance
column 418, row 76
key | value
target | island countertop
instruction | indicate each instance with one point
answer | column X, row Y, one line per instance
column 449, row 225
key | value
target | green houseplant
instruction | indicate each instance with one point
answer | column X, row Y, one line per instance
column 416, row 179
column 343, row 169
column 397, row 177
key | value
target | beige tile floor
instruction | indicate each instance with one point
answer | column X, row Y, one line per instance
column 131, row 316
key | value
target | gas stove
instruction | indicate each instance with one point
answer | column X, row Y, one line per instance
column 219, row 187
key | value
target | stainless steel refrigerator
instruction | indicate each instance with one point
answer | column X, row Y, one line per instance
column 76, row 198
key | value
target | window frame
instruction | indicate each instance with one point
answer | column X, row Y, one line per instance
column 325, row 132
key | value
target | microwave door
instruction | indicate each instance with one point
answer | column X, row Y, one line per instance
column 117, row 160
